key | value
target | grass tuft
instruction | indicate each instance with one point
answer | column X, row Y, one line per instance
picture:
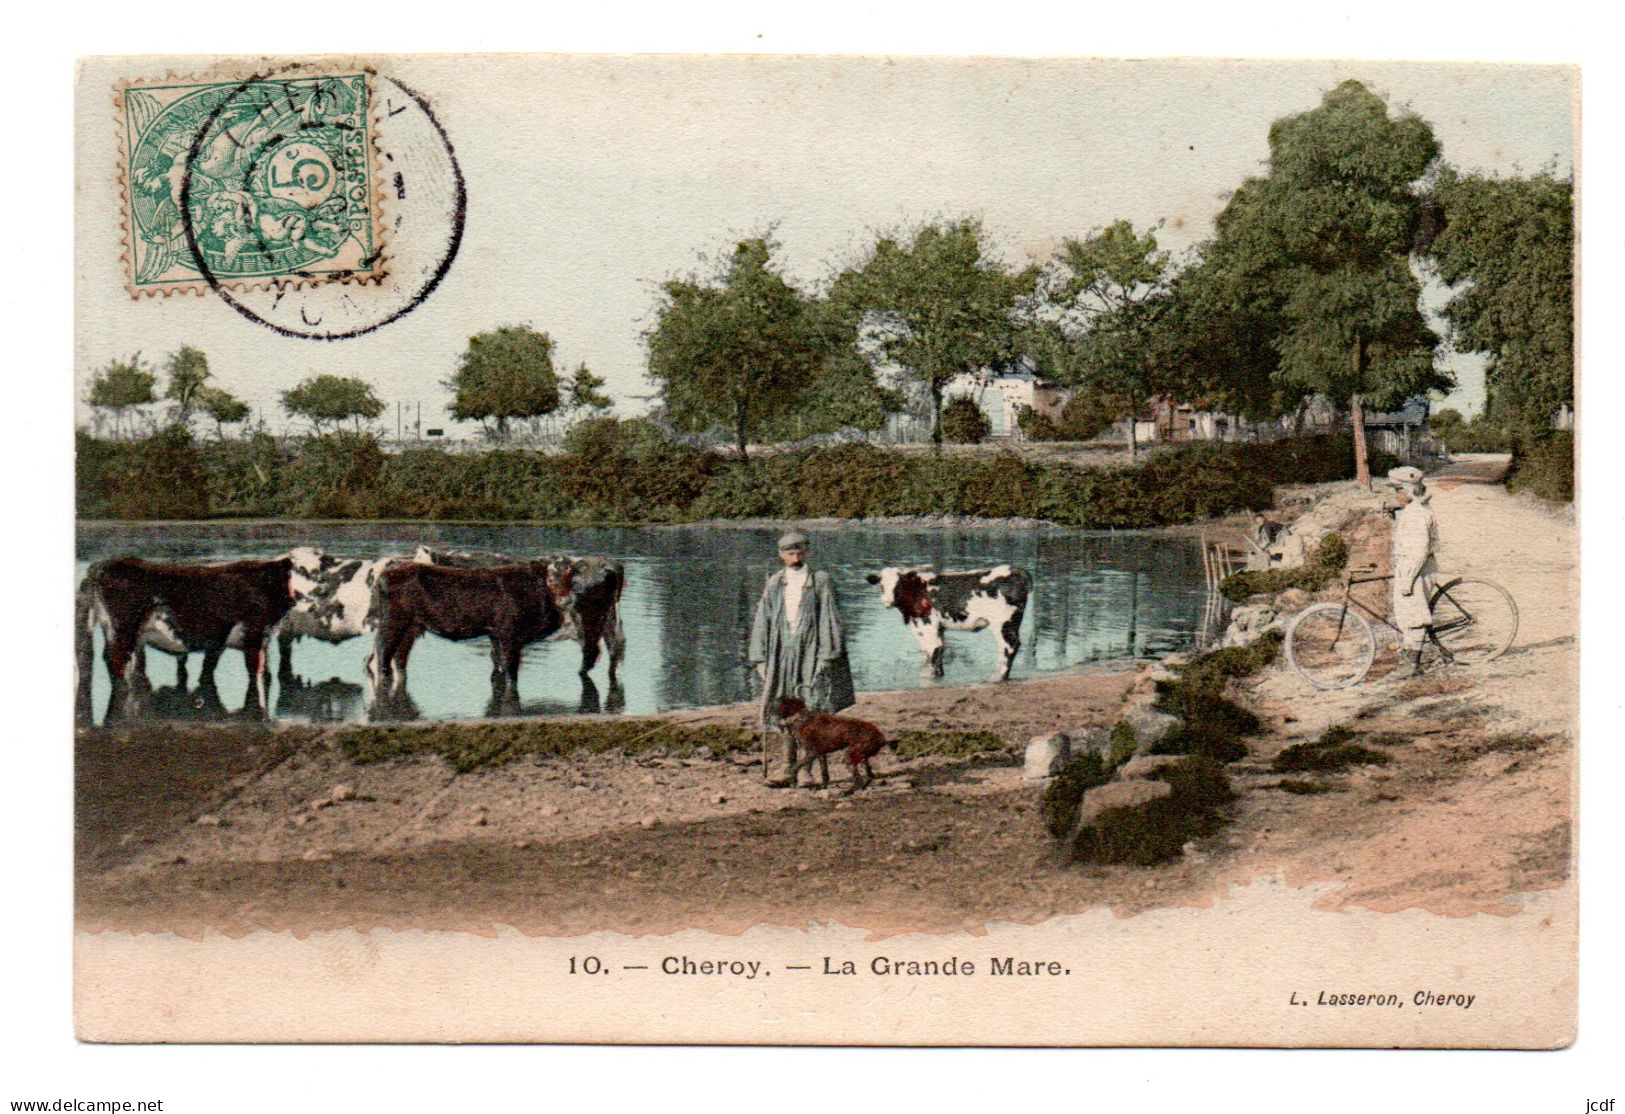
column 951, row 744
column 1334, row 750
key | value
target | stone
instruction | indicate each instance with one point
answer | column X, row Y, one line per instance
column 719, row 799
column 648, row 822
column 1091, row 740
column 1145, row 765
column 341, row 793
column 314, row 856
column 550, row 810
column 208, row 820
column 1292, row 600
column 1149, row 725
column 1046, row 755
column 1130, row 793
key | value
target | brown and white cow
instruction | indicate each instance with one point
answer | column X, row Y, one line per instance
column 931, row 602
column 202, row 607
column 587, row 591
column 511, row 605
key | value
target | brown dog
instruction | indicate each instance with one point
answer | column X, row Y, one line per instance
column 822, row 735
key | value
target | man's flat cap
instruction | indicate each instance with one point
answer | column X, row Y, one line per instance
column 792, row 539
column 1405, row 477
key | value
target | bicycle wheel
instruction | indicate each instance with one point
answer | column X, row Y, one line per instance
column 1474, row 620
column 1330, row 645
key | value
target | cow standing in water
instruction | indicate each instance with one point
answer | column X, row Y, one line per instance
column 931, row 602
column 205, row 607
column 587, row 591
column 161, row 632
column 510, row 605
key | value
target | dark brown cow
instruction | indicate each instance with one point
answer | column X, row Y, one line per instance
column 587, row 591
column 206, row 606
column 510, row 605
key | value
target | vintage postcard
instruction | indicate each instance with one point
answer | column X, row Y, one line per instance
column 825, row 550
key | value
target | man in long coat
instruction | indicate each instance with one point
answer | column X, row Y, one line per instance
column 798, row 646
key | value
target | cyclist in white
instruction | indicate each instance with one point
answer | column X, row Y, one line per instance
column 1416, row 535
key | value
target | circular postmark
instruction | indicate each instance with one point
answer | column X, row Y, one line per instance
column 354, row 213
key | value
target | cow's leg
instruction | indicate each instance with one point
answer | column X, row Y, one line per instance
column 211, row 659
column 284, row 667
column 400, row 655
column 592, row 631
column 181, row 673
column 928, row 633
column 823, row 769
column 1009, row 644
column 254, row 660
column 515, row 654
column 499, row 663
column 615, row 639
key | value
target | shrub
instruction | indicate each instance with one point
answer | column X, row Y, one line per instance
column 1085, row 416
column 161, row 476
column 1545, row 466
column 1326, row 562
column 1461, row 436
column 963, row 422
column 1195, row 806
column 618, row 438
column 339, row 475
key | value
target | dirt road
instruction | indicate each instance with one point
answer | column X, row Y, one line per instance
column 243, row 830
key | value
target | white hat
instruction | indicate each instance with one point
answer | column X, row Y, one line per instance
column 1405, row 477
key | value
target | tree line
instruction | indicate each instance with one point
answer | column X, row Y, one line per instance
column 1310, row 284
column 505, row 375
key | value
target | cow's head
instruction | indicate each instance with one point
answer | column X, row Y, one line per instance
column 561, row 579
column 307, row 564
column 904, row 589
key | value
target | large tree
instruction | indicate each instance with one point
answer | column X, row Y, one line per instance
column 734, row 349
column 324, row 400
column 221, row 405
column 1319, row 250
column 121, row 386
column 1096, row 325
column 504, row 374
column 188, row 370
column 939, row 304
column 1507, row 246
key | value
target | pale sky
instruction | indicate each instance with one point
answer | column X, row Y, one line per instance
column 590, row 180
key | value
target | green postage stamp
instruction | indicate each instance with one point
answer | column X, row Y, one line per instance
column 259, row 181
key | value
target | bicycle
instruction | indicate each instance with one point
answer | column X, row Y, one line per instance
column 1333, row 647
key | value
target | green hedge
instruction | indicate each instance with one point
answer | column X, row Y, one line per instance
column 614, row 476
column 1545, row 466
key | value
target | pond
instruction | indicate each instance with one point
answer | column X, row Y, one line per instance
column 687, row 609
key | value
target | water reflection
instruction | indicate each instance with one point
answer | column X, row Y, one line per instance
column 687, row 608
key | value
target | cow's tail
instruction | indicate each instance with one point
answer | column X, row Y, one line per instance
column 84, row 644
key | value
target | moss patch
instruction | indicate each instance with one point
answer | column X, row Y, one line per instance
column 1158, row 830
column 1328, row 559
column 952, row 744
column 1334, row 750
column 1122, row 744
column 1065, row 794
